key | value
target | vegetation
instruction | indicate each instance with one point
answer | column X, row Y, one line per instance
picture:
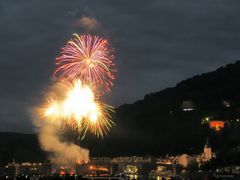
column 157, row 125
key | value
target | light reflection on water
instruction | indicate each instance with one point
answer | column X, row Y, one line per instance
column 132, row 177
column 137, row 177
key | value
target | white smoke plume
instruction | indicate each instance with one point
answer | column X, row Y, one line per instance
column 50, row 142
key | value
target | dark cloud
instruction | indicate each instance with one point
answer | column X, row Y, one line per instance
column 157, row 43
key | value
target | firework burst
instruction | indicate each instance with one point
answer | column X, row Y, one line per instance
column 100, row 123
column 84, row 71
column 88, row 58
column 77, row 106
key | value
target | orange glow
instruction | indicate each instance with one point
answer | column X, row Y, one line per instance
column 62, row 173
column 216, row 125
column 103, row 169
column 97, row 170
column 78, row 106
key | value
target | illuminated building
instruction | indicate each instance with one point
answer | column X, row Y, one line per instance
column 187, row 106
column 35, row 168
column 216, row 125
column 100, row 160
column 131, row 169
column 97, row 171
column 131, row 159
column 207, row 152
column 184, row 160
column 226, row 104
column 63, row 166
column 26, row 169
column 11, row 170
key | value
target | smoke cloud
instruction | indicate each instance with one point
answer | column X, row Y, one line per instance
column 61, row 152
column 50, row 142
column 89, row 23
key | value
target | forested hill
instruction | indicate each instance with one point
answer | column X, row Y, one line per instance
column 157, row 124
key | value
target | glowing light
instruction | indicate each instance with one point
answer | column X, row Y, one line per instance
column 93, row 117
column 80, row 109
column 84, row 72
column 52, row 110
column 216, row 125
column 80, row 101
column 88, row 58
column 206, row 119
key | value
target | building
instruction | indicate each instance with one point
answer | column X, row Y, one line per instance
column 187, row 106
column 207, row 152
column 217, row 125
column 131, row 159
column 184, row 160
column 11, row 170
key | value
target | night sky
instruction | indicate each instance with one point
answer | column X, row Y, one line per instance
column 157, row 44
